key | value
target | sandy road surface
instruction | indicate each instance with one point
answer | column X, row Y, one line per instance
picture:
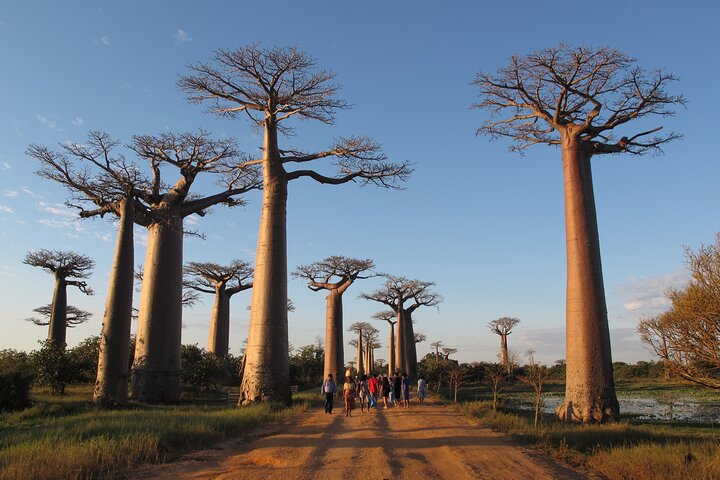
column 424, row 442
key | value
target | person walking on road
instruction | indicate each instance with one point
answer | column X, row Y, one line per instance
column 373, row 386
column 422, row 389
column 349, row 395
column 362, row 391
column 385, row 389
column 405, row 383
column 328, row 389
column 397, row 389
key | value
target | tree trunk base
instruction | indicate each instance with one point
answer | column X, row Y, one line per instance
column 105, row 395
column 156, row 386
column 574, row 412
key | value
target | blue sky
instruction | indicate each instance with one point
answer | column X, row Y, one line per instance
column 484, row 224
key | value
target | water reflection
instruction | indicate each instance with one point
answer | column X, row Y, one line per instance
column 679, row 408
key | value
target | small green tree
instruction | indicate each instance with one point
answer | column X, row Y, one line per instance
column 53, row 367
column 535, row 376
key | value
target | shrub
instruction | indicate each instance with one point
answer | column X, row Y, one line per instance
column 14, row 390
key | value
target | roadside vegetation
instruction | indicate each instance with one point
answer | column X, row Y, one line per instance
column 66, row 437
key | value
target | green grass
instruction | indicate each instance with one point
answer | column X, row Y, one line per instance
column 67, row 438
column 623, row 450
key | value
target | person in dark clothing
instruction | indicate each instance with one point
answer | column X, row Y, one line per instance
column 328, row 389
column 397, row 389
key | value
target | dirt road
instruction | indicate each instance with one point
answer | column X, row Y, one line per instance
column 424, row 442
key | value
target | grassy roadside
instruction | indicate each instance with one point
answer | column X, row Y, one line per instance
column 622, row 451
column 66, row 438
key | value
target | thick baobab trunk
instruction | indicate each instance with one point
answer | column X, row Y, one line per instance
column 219, row 335
column 391, row 350
column 410, row 348
column 400, row 340
column 157, row 367
column 266, row 376
column 504, row 358
column 57, row 330
column 334, row 354
column 360, row 352
column 111, row 385
column 590, row 389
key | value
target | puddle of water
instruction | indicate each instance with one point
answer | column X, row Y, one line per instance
column 646, row 408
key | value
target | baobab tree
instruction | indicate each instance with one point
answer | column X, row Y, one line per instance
column 156, row 367
column 359, row 328
column 223, row 281
column 110, row 183
column 437, row 345
column 67, row 268
column 73, row 316
column 370, row 338
column 503, row 327
column 334, row 274
column 447, row 351
column 273, row 86
column 395, row 293
column 390, row 317
column 577, row 98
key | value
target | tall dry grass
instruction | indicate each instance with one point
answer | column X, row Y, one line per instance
column 619, row 451
column 71, row 440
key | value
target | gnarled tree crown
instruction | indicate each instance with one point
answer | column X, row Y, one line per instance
column 63, row 265
column 205, row 277
column 398, row 290
column 335, row 272
column 586, row 93
column 273, row 85
column 503, row 326
column 73, row 316
column 95, row 173
column 386, row 316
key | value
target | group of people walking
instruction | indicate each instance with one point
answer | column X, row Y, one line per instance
column 368, row 391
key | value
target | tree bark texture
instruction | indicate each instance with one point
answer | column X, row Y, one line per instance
column 590, row 388
column 266, row 376
column 410, row 348
column 334, row 353
column 400, row 340
column 391, row 351
column 504, row 358
column 57, row 330
column 360, row 353
column 219, row 335
column 111, row 385
column 157, row 367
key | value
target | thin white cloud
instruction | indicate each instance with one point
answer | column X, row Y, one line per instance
column 43, row 120
column 645, row 296
column 125, row 85
column 5, row 208
column 78, row 121
column 5, row 166
column 57, row 209
column 181, row 36
column 11, row 193
column 105, row 40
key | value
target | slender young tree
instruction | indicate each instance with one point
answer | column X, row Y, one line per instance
column 503, row 327
column 156, row 367
column 110, row 184
column 223, row 281
column 390, row 317
column 334, row 274
column 395, row 293
column 67, row 269
column 272, row 86
column 370, row 339
column 576, row 98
